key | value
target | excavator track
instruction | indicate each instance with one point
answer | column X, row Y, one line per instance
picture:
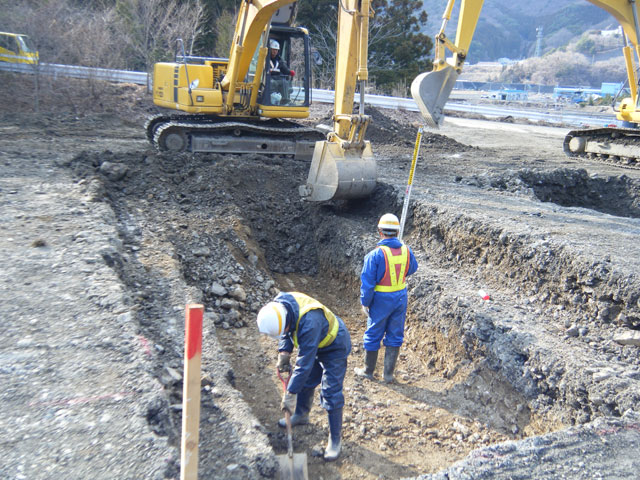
column 619, row 147
column 201, row 133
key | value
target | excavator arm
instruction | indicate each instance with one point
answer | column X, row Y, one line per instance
column 343, row 166
column 431, row 90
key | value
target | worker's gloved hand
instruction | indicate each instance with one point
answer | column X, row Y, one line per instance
column 283, row 362
column 289, row 402
column 365, row 310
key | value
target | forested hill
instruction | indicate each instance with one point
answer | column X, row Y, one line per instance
column 507, row 28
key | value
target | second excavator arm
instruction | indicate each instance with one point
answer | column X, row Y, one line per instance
column 431, row 90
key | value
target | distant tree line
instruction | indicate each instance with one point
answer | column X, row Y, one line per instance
column 134, row 34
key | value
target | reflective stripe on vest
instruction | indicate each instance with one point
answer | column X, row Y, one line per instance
column 305, row 304
column 396, row 266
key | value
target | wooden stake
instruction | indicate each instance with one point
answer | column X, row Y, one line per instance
column 191, row 392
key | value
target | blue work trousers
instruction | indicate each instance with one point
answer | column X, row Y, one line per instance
column 387, row 314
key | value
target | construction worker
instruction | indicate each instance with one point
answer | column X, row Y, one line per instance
column 383, row 296
column 323, row 343
column 279, row 72
column 275, row 64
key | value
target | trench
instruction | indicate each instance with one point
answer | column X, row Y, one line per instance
column 613, row 195
column 234, row 230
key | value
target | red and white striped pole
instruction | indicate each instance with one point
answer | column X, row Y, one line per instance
column 191, row 392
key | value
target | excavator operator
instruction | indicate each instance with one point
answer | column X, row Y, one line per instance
column 280, row 74
column 324, row 343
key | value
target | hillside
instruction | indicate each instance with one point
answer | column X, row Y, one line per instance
column 508, row 29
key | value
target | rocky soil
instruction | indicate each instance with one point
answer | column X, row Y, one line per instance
column 104, row 241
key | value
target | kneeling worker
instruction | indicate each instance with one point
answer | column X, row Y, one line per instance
column 324, row 344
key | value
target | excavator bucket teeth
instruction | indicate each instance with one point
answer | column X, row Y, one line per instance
column 431, row 91
column 339, row 174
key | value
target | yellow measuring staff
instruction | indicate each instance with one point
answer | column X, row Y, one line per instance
column 407, row 193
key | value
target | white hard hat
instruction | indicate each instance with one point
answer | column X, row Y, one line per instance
column 274, row 44
column 272, row 319
column 389, row 221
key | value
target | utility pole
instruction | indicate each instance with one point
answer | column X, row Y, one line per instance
column 538, row 41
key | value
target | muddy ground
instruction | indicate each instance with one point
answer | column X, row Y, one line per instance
column 105, row 240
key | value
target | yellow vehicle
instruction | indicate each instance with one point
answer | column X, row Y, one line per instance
column 235, row 105
column 14, row 48
column 620, row 146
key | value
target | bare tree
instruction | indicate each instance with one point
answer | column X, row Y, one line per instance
column 65, row 33
column 323, row 37
column 225, row 26
column 150, row 27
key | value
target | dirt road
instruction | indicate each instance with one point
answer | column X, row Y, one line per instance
column 105, row 240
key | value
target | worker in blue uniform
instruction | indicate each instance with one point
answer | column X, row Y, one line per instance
column 383, row 296
column 324, row 343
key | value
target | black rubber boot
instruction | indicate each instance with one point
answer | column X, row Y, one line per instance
column 370, row 360
column 335, row 435
column 303, row 406
column 390, row 358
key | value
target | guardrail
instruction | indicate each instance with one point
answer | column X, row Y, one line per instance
column 74, row 71
column 321, row 96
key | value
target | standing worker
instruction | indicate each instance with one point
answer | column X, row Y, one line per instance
column 323, row 343
column 383, row 295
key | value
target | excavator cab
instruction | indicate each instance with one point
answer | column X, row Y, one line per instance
column 290, row 88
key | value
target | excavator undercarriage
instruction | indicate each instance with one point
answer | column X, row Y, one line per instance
column 206, row 133
column 614, row 146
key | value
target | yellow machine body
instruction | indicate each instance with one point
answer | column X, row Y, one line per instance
column 14, row 48
column 235, row 105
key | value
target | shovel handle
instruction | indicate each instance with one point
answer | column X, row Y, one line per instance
column 287, row 415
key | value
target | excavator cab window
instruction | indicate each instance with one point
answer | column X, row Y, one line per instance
column 287, row 74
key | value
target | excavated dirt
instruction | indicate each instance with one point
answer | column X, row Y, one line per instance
column 105, row 240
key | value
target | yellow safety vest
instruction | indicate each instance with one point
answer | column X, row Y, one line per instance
column 305, row 304
column 394, row 281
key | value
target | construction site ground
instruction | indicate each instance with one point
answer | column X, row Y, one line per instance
column 105, row 240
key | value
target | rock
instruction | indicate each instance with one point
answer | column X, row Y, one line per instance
column 217, row 289
column 228, row 304
column 631, row 337
column 113, row 171
column 573, row 331
column 238, row 293
column 201, row 251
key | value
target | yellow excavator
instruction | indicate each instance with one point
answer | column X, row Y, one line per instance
column 619, row 146
column 241, row 105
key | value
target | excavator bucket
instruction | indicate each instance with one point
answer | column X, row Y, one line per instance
column 337, row 173
column 431, row 91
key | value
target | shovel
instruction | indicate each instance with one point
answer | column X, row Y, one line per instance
column 293, row 466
